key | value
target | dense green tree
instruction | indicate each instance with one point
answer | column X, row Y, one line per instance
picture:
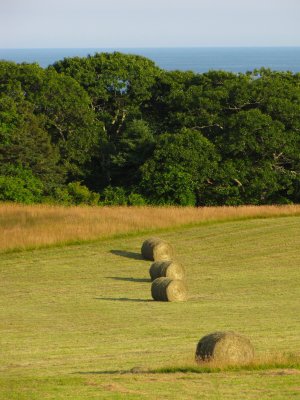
column 25, row 143
column 119, row 86
column 134, row 147
column 63, row 105
column 18, row 184
column 253, row 121
column 180, row 169
column 101, row 120
column 71, row 122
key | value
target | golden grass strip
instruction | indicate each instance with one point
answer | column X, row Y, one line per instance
column 23, row 226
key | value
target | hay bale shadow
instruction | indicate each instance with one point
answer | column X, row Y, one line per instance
column 124, row 299
column 117, row 278
column 134, row 370
column 127, row 254
column 112, row 372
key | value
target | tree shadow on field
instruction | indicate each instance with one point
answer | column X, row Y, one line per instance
column 127, row 254
column 117, row 278
column 124, row 299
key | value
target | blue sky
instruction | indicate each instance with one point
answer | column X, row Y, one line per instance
column 143, row 23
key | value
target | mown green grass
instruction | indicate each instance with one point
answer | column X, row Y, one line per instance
column 78, row 322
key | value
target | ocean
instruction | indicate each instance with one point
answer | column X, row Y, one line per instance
column 197, row 59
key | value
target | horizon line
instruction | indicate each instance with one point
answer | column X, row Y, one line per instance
column 149, row 47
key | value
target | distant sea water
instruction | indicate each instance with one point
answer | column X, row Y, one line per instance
column 197, row 59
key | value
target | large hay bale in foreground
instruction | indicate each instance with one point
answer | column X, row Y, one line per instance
column 166, row 289
column 155, row 249
column 227, row 347
column 169, row 269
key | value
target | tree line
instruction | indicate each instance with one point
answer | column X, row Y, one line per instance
column 115, row 129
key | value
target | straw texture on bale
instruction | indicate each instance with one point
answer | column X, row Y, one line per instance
column 228, row 347
column 169, row 269
column 155, row 249
column 166, row 289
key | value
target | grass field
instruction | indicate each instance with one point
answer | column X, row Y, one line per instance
column 78, row 322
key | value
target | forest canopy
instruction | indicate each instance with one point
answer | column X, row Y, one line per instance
column 115, row 129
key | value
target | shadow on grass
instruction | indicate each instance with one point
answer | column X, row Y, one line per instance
column 124, row 299
column 283, row 369
column 97, row 372
column 117, row 278
column 134, row 370
column 127, row 254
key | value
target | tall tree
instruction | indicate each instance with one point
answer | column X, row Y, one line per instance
column 119, row 86
column 180, row 169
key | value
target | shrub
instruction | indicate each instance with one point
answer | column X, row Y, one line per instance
column 20, row 185
column 114, row 196
column 80, row 194
column 135, row 199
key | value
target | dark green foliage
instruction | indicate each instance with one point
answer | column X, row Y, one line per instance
column 133, row 148
column 119, row 86
column 135, row 199
column 114, row 196
column 63, row 107
column 118, row 196
column 136, row 135
column 180, row 168
column 25, row 142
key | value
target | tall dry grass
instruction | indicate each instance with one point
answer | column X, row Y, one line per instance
column 23, row 227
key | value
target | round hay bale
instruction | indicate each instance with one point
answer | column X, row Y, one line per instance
column 155, row 249
column 227, row 347
column 166, row 289
column 168, row 269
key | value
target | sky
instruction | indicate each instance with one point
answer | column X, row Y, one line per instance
column 145, row 23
